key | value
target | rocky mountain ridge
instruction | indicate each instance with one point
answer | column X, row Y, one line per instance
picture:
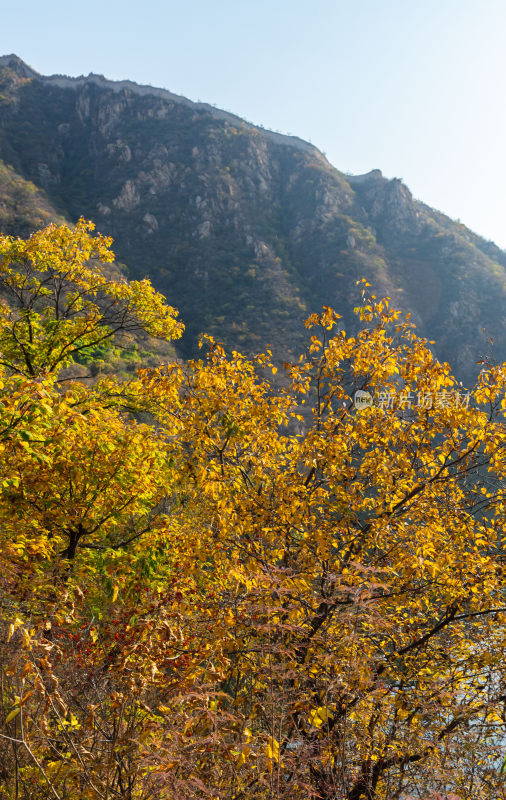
column 246, row 231
column 14, row 63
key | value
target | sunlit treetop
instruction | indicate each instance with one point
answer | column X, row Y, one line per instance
column 57, row 300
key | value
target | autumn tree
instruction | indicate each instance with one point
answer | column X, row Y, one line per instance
column 272, row 589
column 83, row 482
column 358, row 634
column 59, row 301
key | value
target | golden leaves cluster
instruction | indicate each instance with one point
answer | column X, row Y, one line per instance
column 225, row 584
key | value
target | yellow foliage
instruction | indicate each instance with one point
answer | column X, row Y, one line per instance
column 216, row 586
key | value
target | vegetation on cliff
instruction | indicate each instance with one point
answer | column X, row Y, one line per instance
column 244, row 231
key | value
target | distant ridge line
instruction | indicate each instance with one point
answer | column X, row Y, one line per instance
column 67, row 82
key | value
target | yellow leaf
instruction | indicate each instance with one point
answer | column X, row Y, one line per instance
column 272, row 749
column 10, row 716
column 318, row 716
column 243, row 755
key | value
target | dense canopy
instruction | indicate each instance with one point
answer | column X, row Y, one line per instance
column 223, row 579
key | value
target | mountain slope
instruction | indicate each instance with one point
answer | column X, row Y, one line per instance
column 245, row 231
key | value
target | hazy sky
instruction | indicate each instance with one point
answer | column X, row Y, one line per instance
column 414, row 87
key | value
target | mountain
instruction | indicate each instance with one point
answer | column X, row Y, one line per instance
column 244, row 230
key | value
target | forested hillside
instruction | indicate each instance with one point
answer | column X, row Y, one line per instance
column 245, row 231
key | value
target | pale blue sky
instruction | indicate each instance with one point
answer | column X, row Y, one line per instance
column 414, row 87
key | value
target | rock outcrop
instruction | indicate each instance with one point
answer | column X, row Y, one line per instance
column 246, row 231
